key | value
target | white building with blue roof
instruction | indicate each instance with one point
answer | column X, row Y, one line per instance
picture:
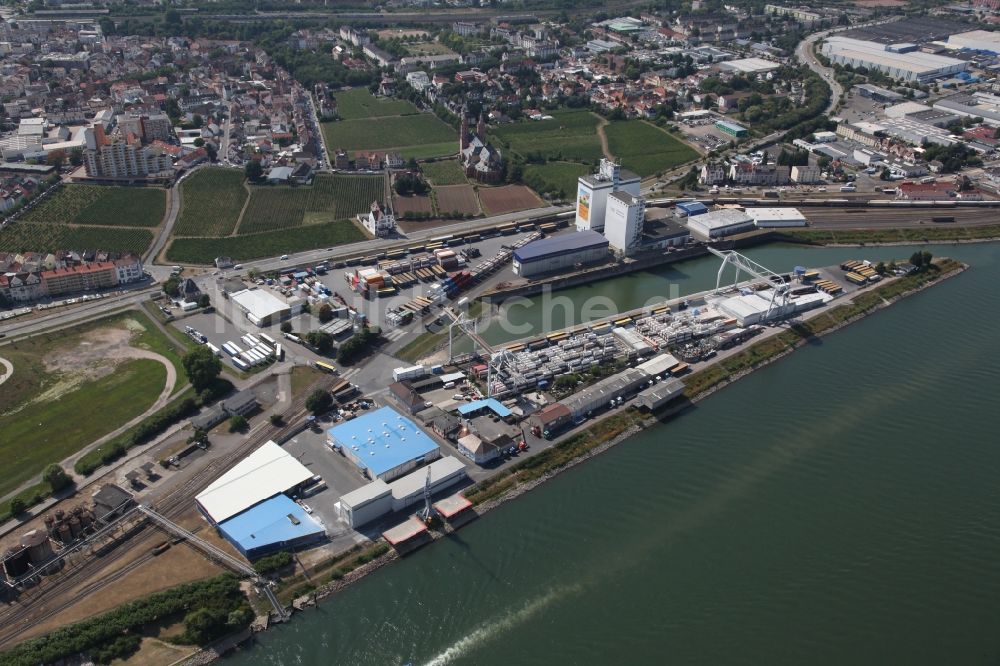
column 383, row 444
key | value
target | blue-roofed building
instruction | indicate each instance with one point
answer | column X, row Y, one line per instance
column 273, row 525
column 476, row 407
column 383, row 444
column 690, row 208
column 560, row 252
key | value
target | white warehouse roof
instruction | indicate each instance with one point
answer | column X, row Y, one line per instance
column 261, row 475
column 914, row 64
column 777, row 217
column 720, row 219
column 259, row 303
column 657, row 365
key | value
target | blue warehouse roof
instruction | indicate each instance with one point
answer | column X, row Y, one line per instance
column 270, row 525
column 382, row 440
column 489, row 403
column 693, row 207
column 562, row 244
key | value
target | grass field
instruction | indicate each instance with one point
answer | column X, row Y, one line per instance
column 65, row 392
column 646, row 149
column 106, row 206
column 23, row 236
column 429, row 150
column 359, row 103
column 428, row 48
column 558, row 178
column 388, row 132
column 211, row 201
column 268, row 244
column 48, row 431
column 444, row 172
column 571, row 135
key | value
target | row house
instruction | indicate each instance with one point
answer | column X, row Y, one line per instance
column 747, row 173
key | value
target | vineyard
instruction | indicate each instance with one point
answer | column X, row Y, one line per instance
column 329, row 198
column 106, row 206
column 211, row 201
column 445, row 172
column 21, row 236
column 389, row 132
column 646, row 149
column 268, row 244
column 571, row 135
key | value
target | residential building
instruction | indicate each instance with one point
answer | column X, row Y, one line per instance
column 713, row 173
column 805, row 174
column 121, row 160
column 129, row 269
column 379, row 223
column 85, row 277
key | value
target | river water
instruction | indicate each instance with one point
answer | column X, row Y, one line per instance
column 840, row 506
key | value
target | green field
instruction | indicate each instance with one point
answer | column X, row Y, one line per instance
column 389, row 132
column 429, row 150
column 330, row 198
column 280, row 219
column 106, row 206
column 23, row 236
column 360, row 103
column 211, row 201
column 558, row 178
column 571, row 136
column 49, row 431
column 646, row 149
column 268, row 244
column 51, row 411
column 444, row 172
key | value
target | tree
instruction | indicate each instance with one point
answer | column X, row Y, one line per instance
column 203, row 625
column 56, row 477
column 199, row 142
column 76, row 157
column 172, row 287
column 926, row 257
column 286, row 327
column 325, row 313
column 917, row 259
column 319, row 402
column 56, row 158
column 254, row 171
column 204, row 301
column 320, row 340
column 202, row 367
column 18, row 506
column 276, row 420
column 237, row 423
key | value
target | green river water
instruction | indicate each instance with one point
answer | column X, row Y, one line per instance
column 840, row 506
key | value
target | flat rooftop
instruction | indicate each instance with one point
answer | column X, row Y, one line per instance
column 277, row 520
column 449, row 507
column 401, row 533
column 382, row 440
column 561, row 244
column 260, row 303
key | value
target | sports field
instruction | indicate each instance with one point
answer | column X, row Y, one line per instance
column 645, row 148
column 269, row 220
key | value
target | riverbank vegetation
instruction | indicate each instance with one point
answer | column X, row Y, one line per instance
column 210, row 609
column 940, row 232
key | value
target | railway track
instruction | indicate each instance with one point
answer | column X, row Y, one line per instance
column 32, row 608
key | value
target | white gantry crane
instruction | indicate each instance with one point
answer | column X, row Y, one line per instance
column 742, row 264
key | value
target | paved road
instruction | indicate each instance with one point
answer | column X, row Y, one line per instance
column 72, row 315
column 316, row 256
column 8, row 370
column 804, row 52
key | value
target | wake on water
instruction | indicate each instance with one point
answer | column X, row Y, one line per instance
column 492, row 629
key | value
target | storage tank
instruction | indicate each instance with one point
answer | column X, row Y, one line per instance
column 39, row 548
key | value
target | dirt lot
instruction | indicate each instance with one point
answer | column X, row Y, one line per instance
column 456, row 198
column 415, row 204
column 507, row 199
